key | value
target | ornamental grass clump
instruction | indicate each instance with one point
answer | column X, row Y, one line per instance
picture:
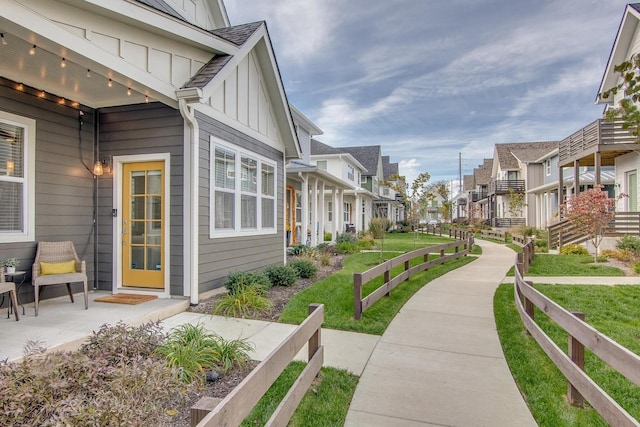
column 244, row 279
column 244, row 303
column 107, row 382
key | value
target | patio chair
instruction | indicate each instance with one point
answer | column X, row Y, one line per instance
column 11, row 288
column 57, row 263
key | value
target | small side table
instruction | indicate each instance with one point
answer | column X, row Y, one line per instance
column 11, row 277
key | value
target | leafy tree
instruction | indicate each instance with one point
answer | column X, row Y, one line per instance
column 590, row 212
column 628, row 110
column 442, row 189
column 416, row 197
column 516, row 203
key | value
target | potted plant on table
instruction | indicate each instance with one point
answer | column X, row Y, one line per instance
column 10, row 264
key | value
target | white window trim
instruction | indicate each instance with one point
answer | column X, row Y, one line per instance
column 29, row 180
column 237, row 192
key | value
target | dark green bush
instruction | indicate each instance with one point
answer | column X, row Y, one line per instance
column 281, row 275
column 328, row 237
column 628, row 242
column 573, row 249
column 305, row 267
column 244, row 279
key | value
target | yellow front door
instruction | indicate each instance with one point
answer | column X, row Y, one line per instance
column 143, row 225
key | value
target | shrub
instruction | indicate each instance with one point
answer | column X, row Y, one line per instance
column 631, row 243
column 624, row 255
column 345, row 237
column 243, row 303
column 379, row 226
column 304, row 250
column 347, row 248
column 573, row 249
column 636, row 267
column 325, row 259
column 281, row 275
column 366, row 242
column 245, row 279
column 97, row 385
column 327, row 237
column 305, row 267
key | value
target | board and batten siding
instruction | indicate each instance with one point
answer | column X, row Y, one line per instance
column 133, row 130
column 221, row 256
column 64, row 186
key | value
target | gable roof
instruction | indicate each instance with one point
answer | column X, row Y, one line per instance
column 218, row 12
column 368, row 155
column 507, row 155
column 468, row 183
column 620, row 49
column 238, row 34
column 389, row 168
column 320, row 148
column 482, row 173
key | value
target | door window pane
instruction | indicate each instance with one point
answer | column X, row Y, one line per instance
column 154, row 209
column 154, row 182
column 137, row 232
column 138, row 182
column 137, row 257
column 153, row 258
column 154, row 229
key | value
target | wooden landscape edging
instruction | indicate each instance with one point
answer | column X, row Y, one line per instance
column 235, row 407
column 580, row 335
column 360, row 279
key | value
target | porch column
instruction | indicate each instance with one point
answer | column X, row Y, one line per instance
column 321, row 215
column 597, row 161
column 560, row 186
column 357, row 213
column 334, row 212
column 304, row 221
column 576, row 177
column 341, row 211
column 314, row 213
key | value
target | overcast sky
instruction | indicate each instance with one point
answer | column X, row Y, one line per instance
column 429, row 79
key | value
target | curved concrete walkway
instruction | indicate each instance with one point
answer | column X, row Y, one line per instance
column 440, row 363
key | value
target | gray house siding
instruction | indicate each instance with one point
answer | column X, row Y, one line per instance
column 142, row 129
column 63, row 187
column 220, row 256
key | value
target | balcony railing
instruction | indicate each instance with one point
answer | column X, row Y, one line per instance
column 476, row 196
column 586, row 140
column 502, row 186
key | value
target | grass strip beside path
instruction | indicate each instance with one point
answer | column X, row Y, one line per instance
column 613, row 310
column 336, row 292
column 568, row 265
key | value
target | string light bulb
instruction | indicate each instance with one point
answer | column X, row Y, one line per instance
column 4, row 41
column 146, row 99
column 42, row 93
column 110, row 83
column 32, row 51
column 88, row 73
column 20, row 87
column 128, row 91
column 63, row 63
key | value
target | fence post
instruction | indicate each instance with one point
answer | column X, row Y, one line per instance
column 314, row 340
column 357, row 296
column 576, row 354
column 387, row 278
column 406, row 268
column 528, row 305
column 520, row 263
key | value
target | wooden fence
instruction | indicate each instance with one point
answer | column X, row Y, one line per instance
column 581, row 335
column 525, row 258
column 384, row 269
column 234, row 408
column 494, row 235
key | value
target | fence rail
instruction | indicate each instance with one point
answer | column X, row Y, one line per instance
column 494, row 235
column 572, row 365
column 525, row 258
column 384, row 269
column 234, row 408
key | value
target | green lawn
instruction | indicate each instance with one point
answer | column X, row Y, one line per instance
column 325, row 404
column 613, row 310
column 568, row 265
column 336, row 291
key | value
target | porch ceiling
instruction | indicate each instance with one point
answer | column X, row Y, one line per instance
column 80, row 80
column 608, row 154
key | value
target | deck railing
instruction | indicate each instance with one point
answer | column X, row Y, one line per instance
column 502, row 186
column 564, row 232
column 590, row 136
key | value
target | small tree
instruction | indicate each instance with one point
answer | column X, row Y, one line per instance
column 415, row 198
column 516, row 203
column 627, row 110
column 441, row 188
column 590, row 212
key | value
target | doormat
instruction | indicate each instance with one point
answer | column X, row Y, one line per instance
column 131, row 299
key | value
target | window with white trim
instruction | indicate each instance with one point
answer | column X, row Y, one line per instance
column 17, row 178
column 547, row 165
column 347, row 212
column 350, row 173
column 330, row 211
column 243, row 202
column 322, row 165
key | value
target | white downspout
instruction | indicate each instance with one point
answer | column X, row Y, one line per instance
column 191, row 197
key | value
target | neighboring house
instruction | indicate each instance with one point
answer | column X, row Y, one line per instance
column 390, row 205
column 478, row 206
column 350, row 210
column 510, row 178
column 184, row 115
column 315, row 200
column 608, row 144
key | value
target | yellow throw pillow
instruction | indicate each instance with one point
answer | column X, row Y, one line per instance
column 57, row 267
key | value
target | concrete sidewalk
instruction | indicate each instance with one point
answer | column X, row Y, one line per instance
column 440, row 361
